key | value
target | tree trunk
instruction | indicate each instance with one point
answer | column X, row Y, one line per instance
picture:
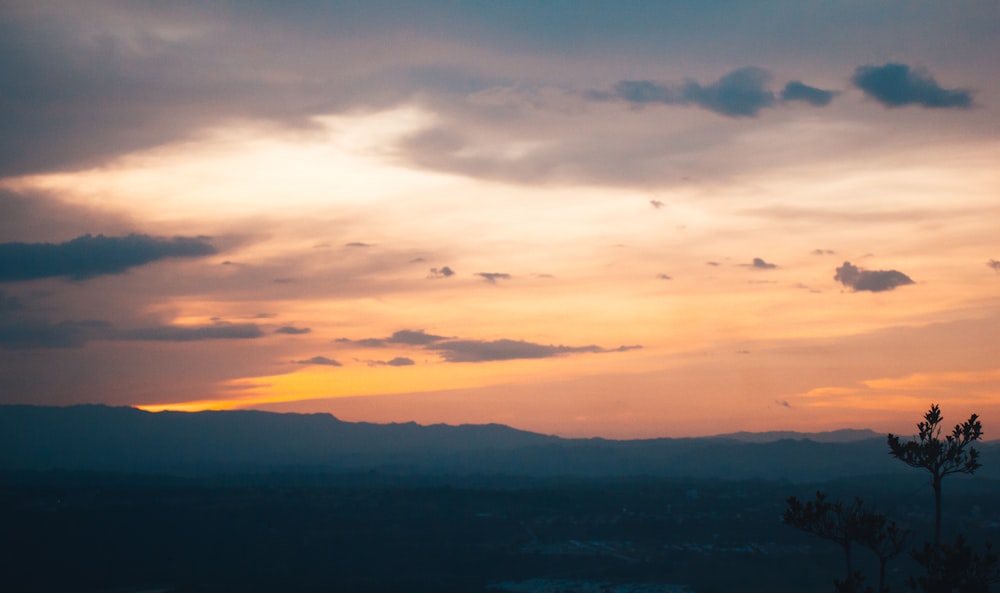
column 937, row 513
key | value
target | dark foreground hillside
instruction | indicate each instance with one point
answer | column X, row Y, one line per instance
column 104, row 533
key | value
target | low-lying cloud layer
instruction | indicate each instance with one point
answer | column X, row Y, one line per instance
column 89, row 256
column 740, row 93
column 458, row 350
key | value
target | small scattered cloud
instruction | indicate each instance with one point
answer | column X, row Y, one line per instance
column 406, row 337
column 444, row 272
column 858, row 279
column 994, row 264
column 664, row 277
column 504, row 349
column 823, row 252
column 181, row 333
column 656, row 204
column 799, row 91
column 898, row 85
column 88, row 256
column 783, row 403
column 284, row 281
column 357, row 244
column 714, row 264
column 399, row 361
column 492, row 277
column 760, row 264
column 292, row 331
column 320, row 360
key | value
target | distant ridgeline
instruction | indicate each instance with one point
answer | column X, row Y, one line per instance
column 100, row 438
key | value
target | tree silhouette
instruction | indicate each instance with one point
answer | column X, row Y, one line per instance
column 954, row 454
column 846, row 525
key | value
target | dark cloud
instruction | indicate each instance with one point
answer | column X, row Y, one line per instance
column 492, row 277
column 783, row 403
column 485, row 351
column 444, row 272
column 292, row 331
column 406, row 337
column 399, row 361
column 858, row 279
column 414, row 337
column 656, row 204
column 799, row 91
column 180, row 333
column 994, row 264
column 664, row 277
column 760, row 264
column 714, row 264
column 320, row 360
column 29, row 334
column 89, row 256
column 740, row 93
column 897, row 85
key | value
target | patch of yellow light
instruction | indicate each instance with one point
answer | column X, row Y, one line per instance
column 938, row 381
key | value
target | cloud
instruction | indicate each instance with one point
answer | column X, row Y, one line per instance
column 664, row 277
column 404, row 336
column 783, row 403
column 399, row 361
column 320, row 360
column 740, row 93
column 994, row 264
column 29, row 334
column 180, row 333
column 9, row 304
column 414, row 337
column 292, row 331
column 485, row 351
column 656, row 204
column 357, row 244
column 444, row 272
column 760, row 264
column 858, row 279
column 89, row 256
column 799, row 91
column 492, row 277
column 897, row 85
column 823, row 252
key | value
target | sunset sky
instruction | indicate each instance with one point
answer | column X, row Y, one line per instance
column 621, row 219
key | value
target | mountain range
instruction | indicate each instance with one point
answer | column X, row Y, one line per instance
column 122, row 439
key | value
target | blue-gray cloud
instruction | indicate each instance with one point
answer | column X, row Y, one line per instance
column 320, row 360
column 89, row 256
column 858, row 279
column 740, row 93
column 292, row 331
column 444, row 272
column 399, row 361
column 898, row 85
column 180, row 333
column 406, row 337
column 799, row 91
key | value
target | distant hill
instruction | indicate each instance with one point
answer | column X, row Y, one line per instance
column 118, row 439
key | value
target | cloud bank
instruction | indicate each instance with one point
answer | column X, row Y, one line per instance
column 89, row 256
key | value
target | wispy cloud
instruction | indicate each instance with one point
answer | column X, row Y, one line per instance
column 292, row 331
column 181, row 333
column 443, row 272
column 484, row 351
column 319, row 360
column 492, row 277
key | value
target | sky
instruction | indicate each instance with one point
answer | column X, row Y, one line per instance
column 618, row 219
